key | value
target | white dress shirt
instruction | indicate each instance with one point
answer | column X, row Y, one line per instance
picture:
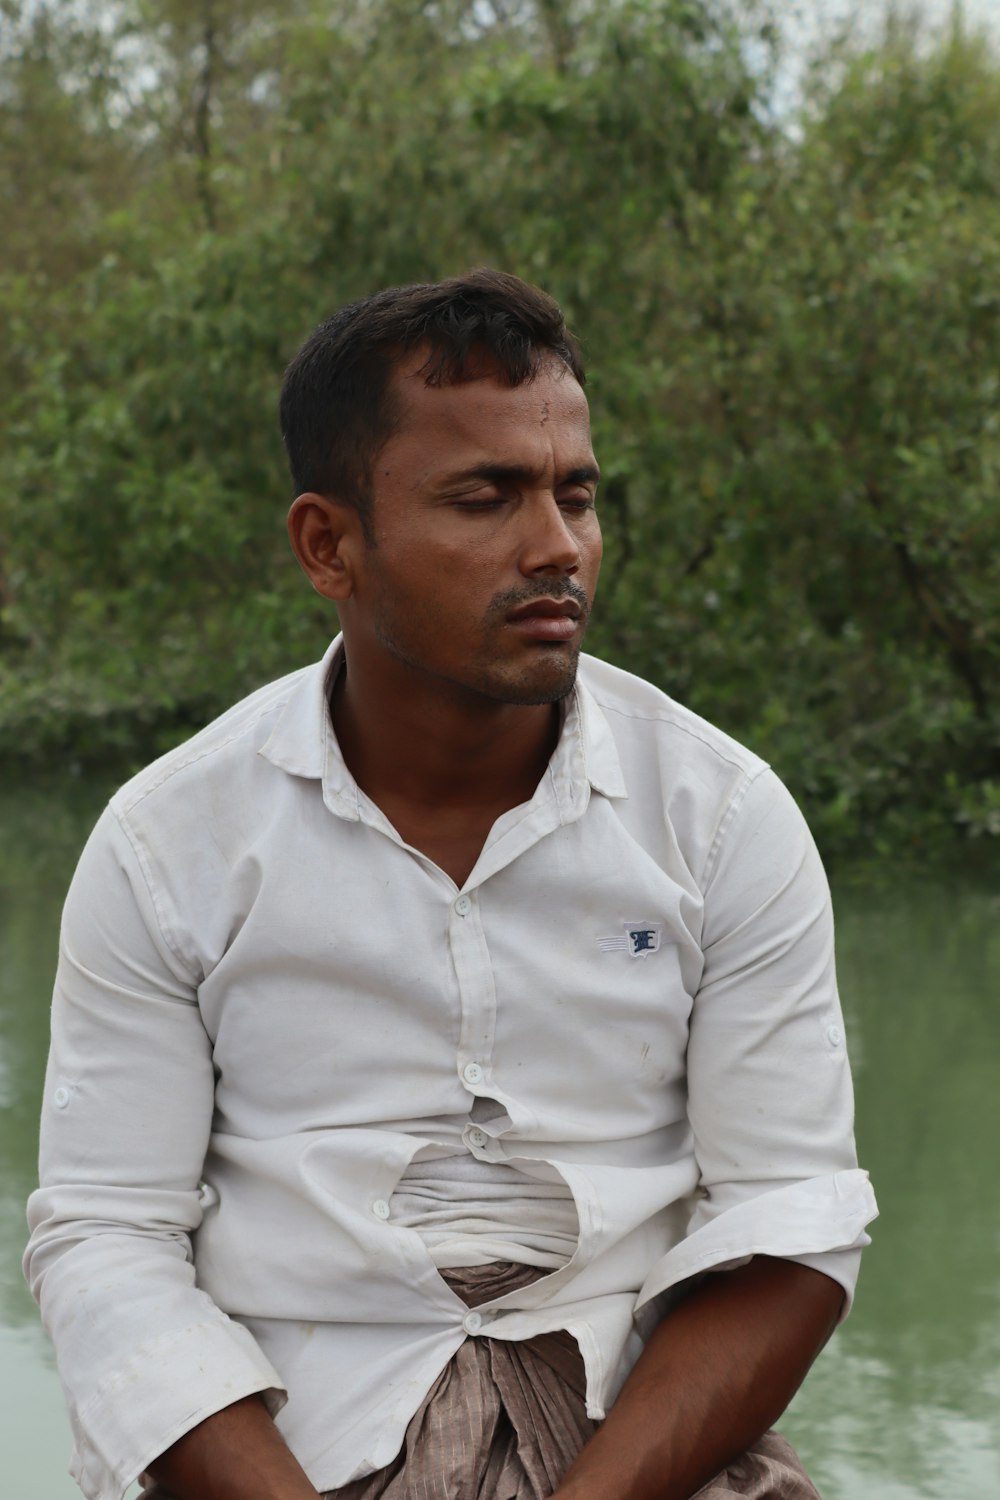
column 268, row 1005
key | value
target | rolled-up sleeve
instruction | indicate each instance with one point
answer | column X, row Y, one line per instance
column 143, row 1354
column 770, row 1101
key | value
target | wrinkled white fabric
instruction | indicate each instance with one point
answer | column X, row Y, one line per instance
column 470, row 1212
column 268, row 1006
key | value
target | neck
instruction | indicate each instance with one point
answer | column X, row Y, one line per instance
column 435, row 745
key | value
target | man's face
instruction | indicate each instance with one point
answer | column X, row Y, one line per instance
column 487, row 545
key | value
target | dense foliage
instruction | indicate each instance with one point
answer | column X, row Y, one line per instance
column 792, row 324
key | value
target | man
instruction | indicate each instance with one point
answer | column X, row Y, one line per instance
column 442, row 1024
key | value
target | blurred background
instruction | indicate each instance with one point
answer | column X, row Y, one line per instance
column 776, row 230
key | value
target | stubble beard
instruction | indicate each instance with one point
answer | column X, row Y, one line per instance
column 551, row 678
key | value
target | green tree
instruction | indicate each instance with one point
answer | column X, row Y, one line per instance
column 792, row 333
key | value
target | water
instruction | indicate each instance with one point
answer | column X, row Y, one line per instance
column 906, row 1401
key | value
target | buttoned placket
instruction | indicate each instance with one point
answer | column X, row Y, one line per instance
column 477, row 996
column 561, row 797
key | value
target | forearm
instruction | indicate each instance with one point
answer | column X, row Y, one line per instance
column 236, row 1454
column 719, row 1370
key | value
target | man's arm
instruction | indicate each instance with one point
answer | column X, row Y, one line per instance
column 234, row 1454
column 714, row 1376
column 143, row 1352
column 770, row 1109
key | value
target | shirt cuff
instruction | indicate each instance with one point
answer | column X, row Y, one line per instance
column 792, row 1222
column 168, row 1386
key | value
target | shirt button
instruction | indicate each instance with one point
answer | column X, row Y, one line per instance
column 478, row 1137
column 60, row 1098
column 463, row 906
column 472, row 1322
column 472, row 1073
column 380, row 1208
column 834, row 1036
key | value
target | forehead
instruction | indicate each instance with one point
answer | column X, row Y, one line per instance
column 486, row 419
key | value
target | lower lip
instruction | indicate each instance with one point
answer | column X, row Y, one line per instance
column 545, row 627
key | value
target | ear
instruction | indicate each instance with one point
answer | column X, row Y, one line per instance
column 326, row 536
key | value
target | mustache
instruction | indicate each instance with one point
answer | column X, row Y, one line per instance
column 545, row 588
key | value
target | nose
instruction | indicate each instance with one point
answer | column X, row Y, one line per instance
column 550, row 546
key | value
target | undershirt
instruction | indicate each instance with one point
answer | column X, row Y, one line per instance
column 469, row 1212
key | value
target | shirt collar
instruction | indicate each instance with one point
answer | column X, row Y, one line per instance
column 602, row 767
column 303, row 744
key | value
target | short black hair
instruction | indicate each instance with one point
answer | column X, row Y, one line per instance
column 336, row 409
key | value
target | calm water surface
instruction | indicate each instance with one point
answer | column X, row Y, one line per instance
column 905, row 1402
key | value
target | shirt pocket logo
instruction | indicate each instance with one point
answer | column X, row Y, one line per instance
column 639, row 941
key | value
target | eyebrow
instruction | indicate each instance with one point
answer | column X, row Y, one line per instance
column 521, row 474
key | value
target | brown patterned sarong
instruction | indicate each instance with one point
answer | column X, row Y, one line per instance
column 504, row 1421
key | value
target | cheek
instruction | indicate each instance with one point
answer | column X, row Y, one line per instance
column 465, row 570
column 425, row 589
column 592, row 550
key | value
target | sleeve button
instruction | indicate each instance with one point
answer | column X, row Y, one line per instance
column 60, row 1098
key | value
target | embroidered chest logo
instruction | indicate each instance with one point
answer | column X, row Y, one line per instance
column 640, row 940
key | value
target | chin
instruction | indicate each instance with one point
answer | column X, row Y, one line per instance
column 545, row 682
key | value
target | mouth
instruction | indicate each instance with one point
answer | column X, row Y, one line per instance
column 546, row 619
column 546, row 609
